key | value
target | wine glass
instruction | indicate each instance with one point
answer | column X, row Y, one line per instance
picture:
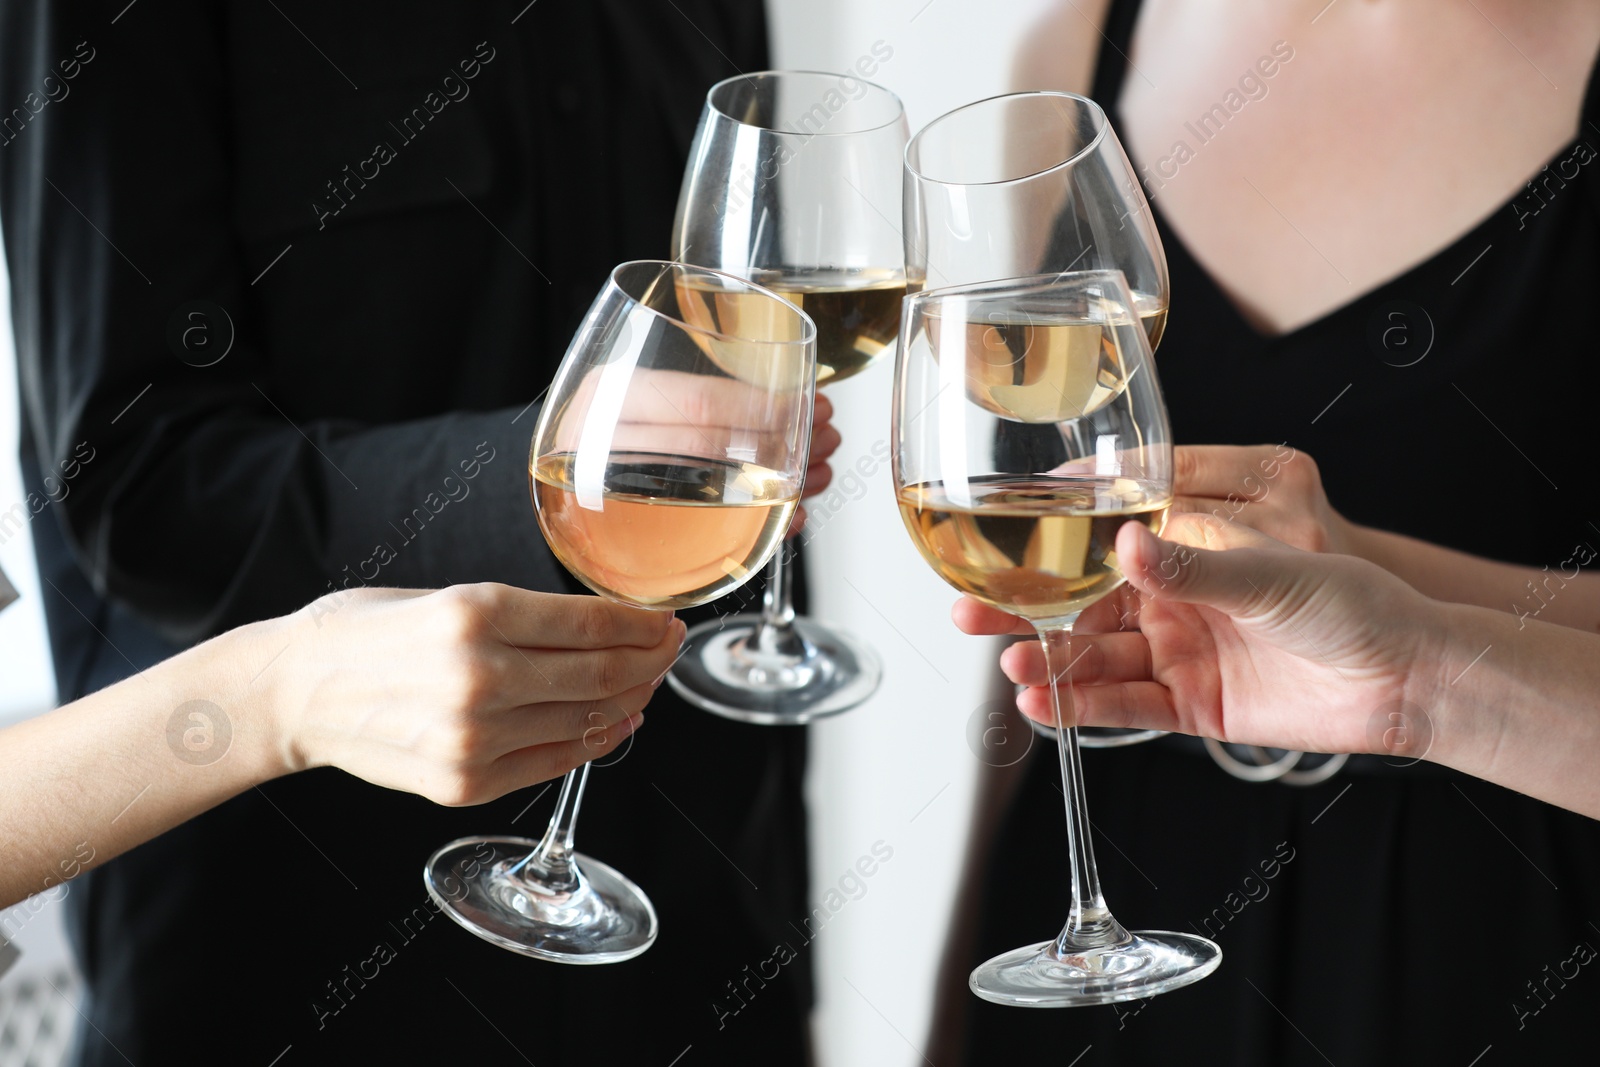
column 794, row 182
column 1023, row 514
column 1024, row 184
column 665, row 469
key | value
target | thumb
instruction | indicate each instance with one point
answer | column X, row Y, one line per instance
column 1240, row 582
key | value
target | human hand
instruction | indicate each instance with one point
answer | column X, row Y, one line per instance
column 464, row 694
column 1245, row 640
column 708, row 415
column 1271, row 488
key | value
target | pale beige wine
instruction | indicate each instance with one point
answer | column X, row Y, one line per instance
column 857, row 314
column 662, row 531
column 1038, row 547
column 1043, row 368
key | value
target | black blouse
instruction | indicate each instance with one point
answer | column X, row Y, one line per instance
column 1446, row 403
column 1387, row 916
column 390, row 217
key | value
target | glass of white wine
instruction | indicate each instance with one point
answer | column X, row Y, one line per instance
column 794, row 181
column 660, row 480
column 1023, row 515
column 1024, row 184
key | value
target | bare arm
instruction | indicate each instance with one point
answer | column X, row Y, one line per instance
column 1060, row 50
column 1261, row 644
column 461, row 695
column 1278, row 490
column 1560, row 594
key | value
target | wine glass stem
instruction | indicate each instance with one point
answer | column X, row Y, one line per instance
column 551, row 864
column 777, row 602
column 1090, row 924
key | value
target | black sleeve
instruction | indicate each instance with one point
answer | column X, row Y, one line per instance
column 188, row 491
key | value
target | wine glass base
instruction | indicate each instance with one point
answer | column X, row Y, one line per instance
column 1153, row 962
column 822, row 672
column 1101, row 736
column 604, row 919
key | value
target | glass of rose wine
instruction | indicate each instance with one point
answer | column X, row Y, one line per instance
column 661, row 479
column 1023, row 515
column 794, row 181
column 1028, row 184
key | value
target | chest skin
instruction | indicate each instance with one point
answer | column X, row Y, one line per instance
column 1306, row 162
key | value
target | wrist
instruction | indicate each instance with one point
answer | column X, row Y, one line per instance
column 1443, row 683
column 1352, row 539
column 255, row 665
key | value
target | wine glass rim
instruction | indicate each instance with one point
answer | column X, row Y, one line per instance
column 1102, row 124
column 1027, row 284
column 899, row 114
column 808, row 332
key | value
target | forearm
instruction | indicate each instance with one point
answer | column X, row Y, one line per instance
column 1517, row 703
column 1560, row 593
column 96, row 777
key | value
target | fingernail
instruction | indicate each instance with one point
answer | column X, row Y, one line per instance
column 629, row 725
column 683, row 630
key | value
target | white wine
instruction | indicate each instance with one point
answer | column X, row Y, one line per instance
column 1044, row 367
column 662, row 531
column 1038, row 547
column 857, row 315
column 1153, row 315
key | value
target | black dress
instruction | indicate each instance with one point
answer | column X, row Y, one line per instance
column 1386, row 916
column 397, row 212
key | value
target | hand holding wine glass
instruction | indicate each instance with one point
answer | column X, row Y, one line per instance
column 1240, row 638
column 1024, row 516
column 1026, row 184
column 661, row 480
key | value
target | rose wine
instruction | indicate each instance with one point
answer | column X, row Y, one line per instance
column 1044, row 368
column 1039, row 547
column 662, row 531
column 857, row 314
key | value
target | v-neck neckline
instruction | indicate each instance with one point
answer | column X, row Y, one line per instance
column 1171, row 239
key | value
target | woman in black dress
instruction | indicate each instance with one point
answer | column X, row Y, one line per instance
column 1359, row 271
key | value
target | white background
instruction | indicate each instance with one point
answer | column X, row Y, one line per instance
column 897, row 770
column 876, row 768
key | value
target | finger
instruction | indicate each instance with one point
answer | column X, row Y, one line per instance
column 704, row 400
column 1242, row 582
column 682, row 439
column 1132, row 705
column 1099, row 660
column 555, row 722
column 530, row 619
column 975, row 617
column 825, row 441
column 533, row 676
column 821, row 410
column 530, row 766
column 1118, row 611
column 1210, row 532
column 1206, row 505
column 1223, row 470
column 818, row 477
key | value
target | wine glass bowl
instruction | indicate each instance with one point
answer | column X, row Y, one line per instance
column 1028, row 184
column 665, row 469
column 1029, row 426
column 794, row 182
